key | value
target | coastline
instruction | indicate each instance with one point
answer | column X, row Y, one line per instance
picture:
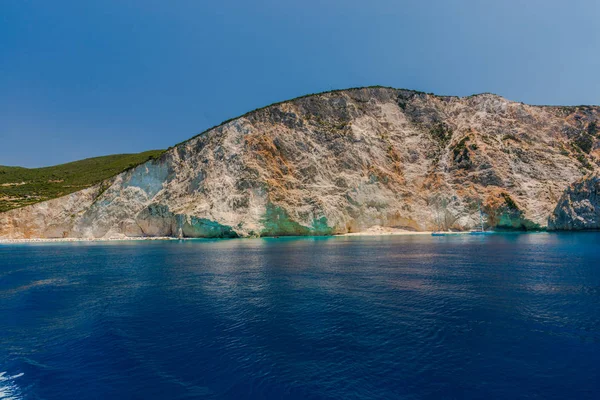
column 369, row 232
column 61, row 240
column 374, row 231
column 385, row 231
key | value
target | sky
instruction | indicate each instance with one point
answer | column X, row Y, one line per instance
column 81, row 79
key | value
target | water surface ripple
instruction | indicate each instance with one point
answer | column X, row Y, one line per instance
column 411, row 317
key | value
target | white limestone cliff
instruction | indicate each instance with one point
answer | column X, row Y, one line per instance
column 340, row 162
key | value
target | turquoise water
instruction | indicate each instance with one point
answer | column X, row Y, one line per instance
column 414, row 317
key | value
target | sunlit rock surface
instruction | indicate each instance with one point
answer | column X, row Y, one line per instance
column 342, row 162
column 579, row 207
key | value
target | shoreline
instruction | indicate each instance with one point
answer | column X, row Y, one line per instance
column 383, row 231
column 65, row 240
column 374, row 231
column 378, row 231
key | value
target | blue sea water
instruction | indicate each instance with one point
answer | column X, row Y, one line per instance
column 406, row 317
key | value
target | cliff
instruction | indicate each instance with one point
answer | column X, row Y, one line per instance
column 579, row 206
column 25, row 186
column 341, row 162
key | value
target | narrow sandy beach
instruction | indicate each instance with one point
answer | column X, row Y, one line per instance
column 373, row 231
column 383, row 231
column 57, row 240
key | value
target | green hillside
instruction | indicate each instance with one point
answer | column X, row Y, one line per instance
column 23, row 186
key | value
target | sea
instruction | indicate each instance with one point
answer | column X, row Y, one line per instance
column 499, row 316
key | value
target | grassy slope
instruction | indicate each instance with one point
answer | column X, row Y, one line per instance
column 50, row 182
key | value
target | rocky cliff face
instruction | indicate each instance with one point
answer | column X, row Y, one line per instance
column 341, row 162
column 579, row 206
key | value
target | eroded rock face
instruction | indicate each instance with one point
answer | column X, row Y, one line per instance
column 341, row 162
column 51, row 219
column 579, row 206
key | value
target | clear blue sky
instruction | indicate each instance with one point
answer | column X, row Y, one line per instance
column 86, row 78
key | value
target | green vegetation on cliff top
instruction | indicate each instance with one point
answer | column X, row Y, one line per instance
column 24, row 186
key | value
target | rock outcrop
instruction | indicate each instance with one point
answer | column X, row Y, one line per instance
column 341, row 162
column 579, row 206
